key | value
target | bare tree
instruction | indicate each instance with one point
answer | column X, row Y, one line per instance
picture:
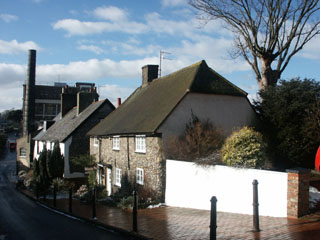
column 267, row 33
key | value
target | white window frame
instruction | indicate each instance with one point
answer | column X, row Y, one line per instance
column 140, row 142
column 95, row 142
column 117, row 177
column 140, row 176
column 116, row 142
column 22, row 152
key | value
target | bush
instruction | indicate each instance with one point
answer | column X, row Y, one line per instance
column 290, row 121
column 244, row 148
column 92, row 179
column 200, row 139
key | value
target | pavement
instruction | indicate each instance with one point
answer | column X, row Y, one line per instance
column 174, row 223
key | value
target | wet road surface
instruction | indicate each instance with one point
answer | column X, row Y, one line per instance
column 24, row 219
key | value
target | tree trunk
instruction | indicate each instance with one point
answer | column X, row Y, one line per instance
column 269, row 77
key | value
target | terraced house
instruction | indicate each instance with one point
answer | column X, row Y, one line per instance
column 79, row 113
column 129, row 142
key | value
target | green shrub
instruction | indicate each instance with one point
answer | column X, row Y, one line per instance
column 92, row 179
column 244, row 148
column 200, row 139
column 290, row 122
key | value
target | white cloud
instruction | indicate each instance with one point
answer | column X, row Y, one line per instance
column 312, row 49
column 11, row 74
column 11, row 98
column 173, row 3
column 213, row 50
column 91, row 48
column 76, row 27
column 132, row 46
column 93, row 70
column 14, row 47
column 110, row 13
column 8, row 17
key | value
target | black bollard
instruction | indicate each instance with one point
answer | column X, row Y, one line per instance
column 255, row 207
column 54, row 196
column 37, row 191
column 135, row 211
column 213, row 219
column 94, row 216
column 70, row 200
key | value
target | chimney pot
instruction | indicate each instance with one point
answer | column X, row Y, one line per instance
column 119, row 101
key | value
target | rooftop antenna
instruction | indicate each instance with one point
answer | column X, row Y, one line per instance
column 162, row 53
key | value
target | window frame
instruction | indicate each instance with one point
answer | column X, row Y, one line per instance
column 95, row 142
column 140, row 176
column 117, row 177
column 116, row 143
column 25, row 152
column 140, row 146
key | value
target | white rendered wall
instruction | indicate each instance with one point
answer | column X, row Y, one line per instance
column 192, row 186
column 227, row 113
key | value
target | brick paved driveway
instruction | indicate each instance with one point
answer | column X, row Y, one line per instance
column 181, row 223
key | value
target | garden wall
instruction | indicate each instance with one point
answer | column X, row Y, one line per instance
column 192, row 186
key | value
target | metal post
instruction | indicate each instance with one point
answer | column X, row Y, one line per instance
column 135, row 212
column 54, row 196
column 255, row 206
column 37, row 190
column 70, row 200
column 94, row 216
column 213, row 219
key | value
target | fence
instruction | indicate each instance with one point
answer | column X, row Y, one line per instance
column 192, row 186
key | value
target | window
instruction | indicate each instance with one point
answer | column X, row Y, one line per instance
column 141, row 143
column 117, row 177
column 22, row 152
column 139, row 176
column 95, row 142
column 116, row 143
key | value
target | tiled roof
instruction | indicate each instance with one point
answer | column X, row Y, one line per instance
column 145, row 110
column 64, row 127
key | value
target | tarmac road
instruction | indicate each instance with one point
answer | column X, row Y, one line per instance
column 24, row 219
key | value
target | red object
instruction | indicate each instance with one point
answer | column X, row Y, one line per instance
column 317, row 163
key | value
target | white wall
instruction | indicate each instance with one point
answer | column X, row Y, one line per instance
column 225, row 112
column 192, row 186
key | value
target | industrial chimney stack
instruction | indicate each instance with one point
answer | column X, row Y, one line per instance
column 29, row 95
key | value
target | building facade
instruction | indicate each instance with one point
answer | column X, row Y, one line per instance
column 129, row 142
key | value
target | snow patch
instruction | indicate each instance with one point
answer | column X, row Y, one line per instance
column 314, row 197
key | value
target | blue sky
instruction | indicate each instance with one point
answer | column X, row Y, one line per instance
column 108, row 41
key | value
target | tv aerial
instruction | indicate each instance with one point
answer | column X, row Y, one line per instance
column 162, row 57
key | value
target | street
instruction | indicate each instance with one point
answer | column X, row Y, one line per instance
column 24, row 219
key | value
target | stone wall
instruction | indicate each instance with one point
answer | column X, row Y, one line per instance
column 128, row 161
column 27, row 143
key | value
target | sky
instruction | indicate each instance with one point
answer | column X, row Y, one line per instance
column 108, row 41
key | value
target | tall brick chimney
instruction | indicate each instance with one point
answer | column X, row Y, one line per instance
column 84, row 99
column 29, row 95
column 68, row 100
column 149, row 73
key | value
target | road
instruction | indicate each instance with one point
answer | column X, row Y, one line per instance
column 24, row 219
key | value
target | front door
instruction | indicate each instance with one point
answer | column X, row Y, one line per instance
column 108, row 181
